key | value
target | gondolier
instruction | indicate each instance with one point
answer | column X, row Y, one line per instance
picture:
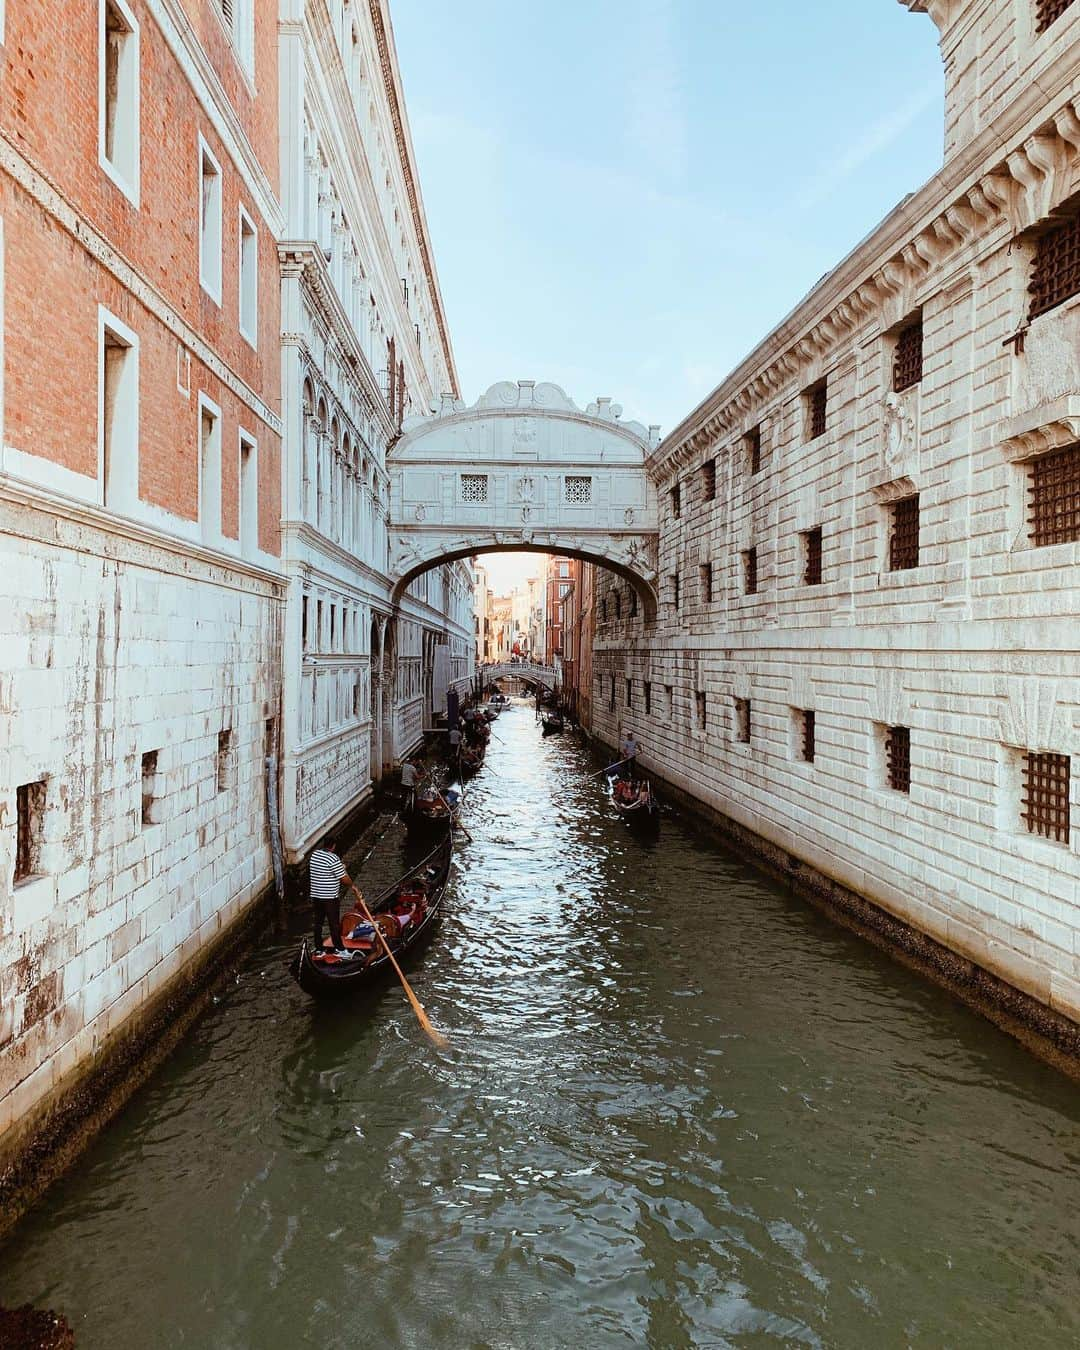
column 326, row 872
column 629, row 751
column 408, row 783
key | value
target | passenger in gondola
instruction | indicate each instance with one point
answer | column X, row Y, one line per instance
column 326, row 872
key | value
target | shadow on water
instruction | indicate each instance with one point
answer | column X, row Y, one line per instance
column 679, row 1109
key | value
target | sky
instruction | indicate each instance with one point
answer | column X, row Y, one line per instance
column 625, row 196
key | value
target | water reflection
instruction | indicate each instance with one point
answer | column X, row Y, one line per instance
column 679, row 1109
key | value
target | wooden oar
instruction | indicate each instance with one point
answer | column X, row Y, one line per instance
column 618, row 763
column 454, row 824
column 437, row 1037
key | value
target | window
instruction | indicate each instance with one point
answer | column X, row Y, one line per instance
column 648, row 696
column 676, row 502
column 632, row 596
column 611, row 695
column 807, row 745
column 675, row 588
column 706, row 583
column 224, row 759
column 742, row 720
column 603, row 610
column 249, row 279
column 238, row 18
column 898, row 758
column 708, row 480
column 669, row 694
column 812, row 557
column 904, row 534
column 1046, row 11
column 119, row 413
column 750, row 573
column 1045, row 808
column 30, row 801
column 320, row 635
column 702, row 710
column 1055, row 268
column 149, row 788
column 753, row 450
column 474, row 488
column 118, row 97
column 210, row 472
column 333, row 628
column 209, row 222
column 629, row 693
column 816, row 408
column 1054, row 497
column 304, row 623
column 577, row 490
column 907, row 356
column 618, row 604
column 249, row 496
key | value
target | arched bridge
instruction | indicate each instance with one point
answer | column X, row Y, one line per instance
column 524, row 468
column 526, row 671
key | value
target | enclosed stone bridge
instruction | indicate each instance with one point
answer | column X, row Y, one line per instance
column 524, row 468
column 525, row 671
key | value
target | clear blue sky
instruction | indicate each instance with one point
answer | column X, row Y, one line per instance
column 626, row 195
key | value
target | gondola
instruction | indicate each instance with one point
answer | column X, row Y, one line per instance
column 432, row 813
column 553, row 723
column 636, row 802
column 471, row 759
column 415, row 899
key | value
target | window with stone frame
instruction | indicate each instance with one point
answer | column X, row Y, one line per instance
column 618, row 604
column 209, row 222
column 474, row 488
column 30, row 803
column 675, row 590
column 149, row 787
column 629, row 693
column 907, row 366
column 669, row 694
column 752, row 443
column 706, row 583
column 577, row 489
column 224, row 759
column 743, row 716
column 1046, row 788
column 1048, row 12
column 632, row 598
column 647, row 687
column 119, row 97
column 816, row 403
column 708, row 481
column 1053, row 484
column 304, row 623
column 808, row 735
column 812, row 557
column 611, row 695
column 676, row 502
column 898, row 758
column 1055, row 263
column 701, row 704
column 750, row 571
column 904, row 534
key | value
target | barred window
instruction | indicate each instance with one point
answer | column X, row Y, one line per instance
column 675, row 589
column 1054, row 497
column 742, row 720
column 708, row 480
column 753, row 449
column 1046, row 809
column 611, row 695
column 702, row 709
column 1046, row 11
column 577, row 489
column 629, row 693
column 1055, row 268
column 907, row 358
column 676, row 501
column 474, row 487
column 648, row 696
column 750, row 574
column 898, row 758
column 30, row 828
column 812, row 572
column 817, row 407
column 706, row 583
column 808, row 735
column 904, row 534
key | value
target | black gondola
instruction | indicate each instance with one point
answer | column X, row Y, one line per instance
column 471, row 759
column 418, row 893
column 553, row 723
column 432, row 812
column 636, row 802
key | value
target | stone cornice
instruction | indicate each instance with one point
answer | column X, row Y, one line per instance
column 381, row 24
column 985, row 188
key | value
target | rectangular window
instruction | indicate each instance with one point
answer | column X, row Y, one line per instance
column 816, row 409
column 224, row 760
column 1054, row 497
column 577, row 490
column 669, row 693
column 603, row 610
column 618, row 605
column 904, row 534
column 210, row 472
column 249, row 496
column 238, row 18
column 118, row 97
column 474, row 488
column 742, row 720
column 249, row 279
column 898, row 758
column 320, row 635
column 30, row 801
column 149, row 788
column 629, row 693
column 808, row 744
column 753, row 450
column 333, row 628
column 702, row 709
column 675, row 590
column 648, row 696
column 676, row 501
column 750, row 572
column 633, row 603
column 907, row 356
column 611, row 695
column 1055, row 267
column 1046, row 809
column 812, row 557
column 706, row 583
column 119, row 414
column 304, row 623
column 1047, row 11
column 209, row 222
column 708, row 480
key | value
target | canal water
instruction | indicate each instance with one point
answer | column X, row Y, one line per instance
column 679, row 1109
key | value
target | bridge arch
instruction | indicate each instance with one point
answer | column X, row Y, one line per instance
column 524, row 468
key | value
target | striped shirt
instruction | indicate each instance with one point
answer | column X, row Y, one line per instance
column 325, row 871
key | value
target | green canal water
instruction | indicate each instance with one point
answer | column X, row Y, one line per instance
column 679, row 1109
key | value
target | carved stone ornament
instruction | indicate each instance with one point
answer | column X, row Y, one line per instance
column 420, row 513
column 525, row 488
column 899, row 426
column 526, row 512
column 628, row 515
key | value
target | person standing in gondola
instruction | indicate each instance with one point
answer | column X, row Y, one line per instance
column 326, row 872
column 408, row 784
column 629, row 751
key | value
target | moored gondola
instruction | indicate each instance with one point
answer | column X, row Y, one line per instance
column 406, row 914
column 553, row 723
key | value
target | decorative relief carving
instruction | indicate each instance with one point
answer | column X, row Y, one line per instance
column 899, row 431
column 1031, row 717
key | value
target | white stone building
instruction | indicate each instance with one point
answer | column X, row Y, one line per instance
column 365, row 344
column 866, row 659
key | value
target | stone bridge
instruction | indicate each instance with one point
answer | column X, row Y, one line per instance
column 524, row 468
column 525, row 671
